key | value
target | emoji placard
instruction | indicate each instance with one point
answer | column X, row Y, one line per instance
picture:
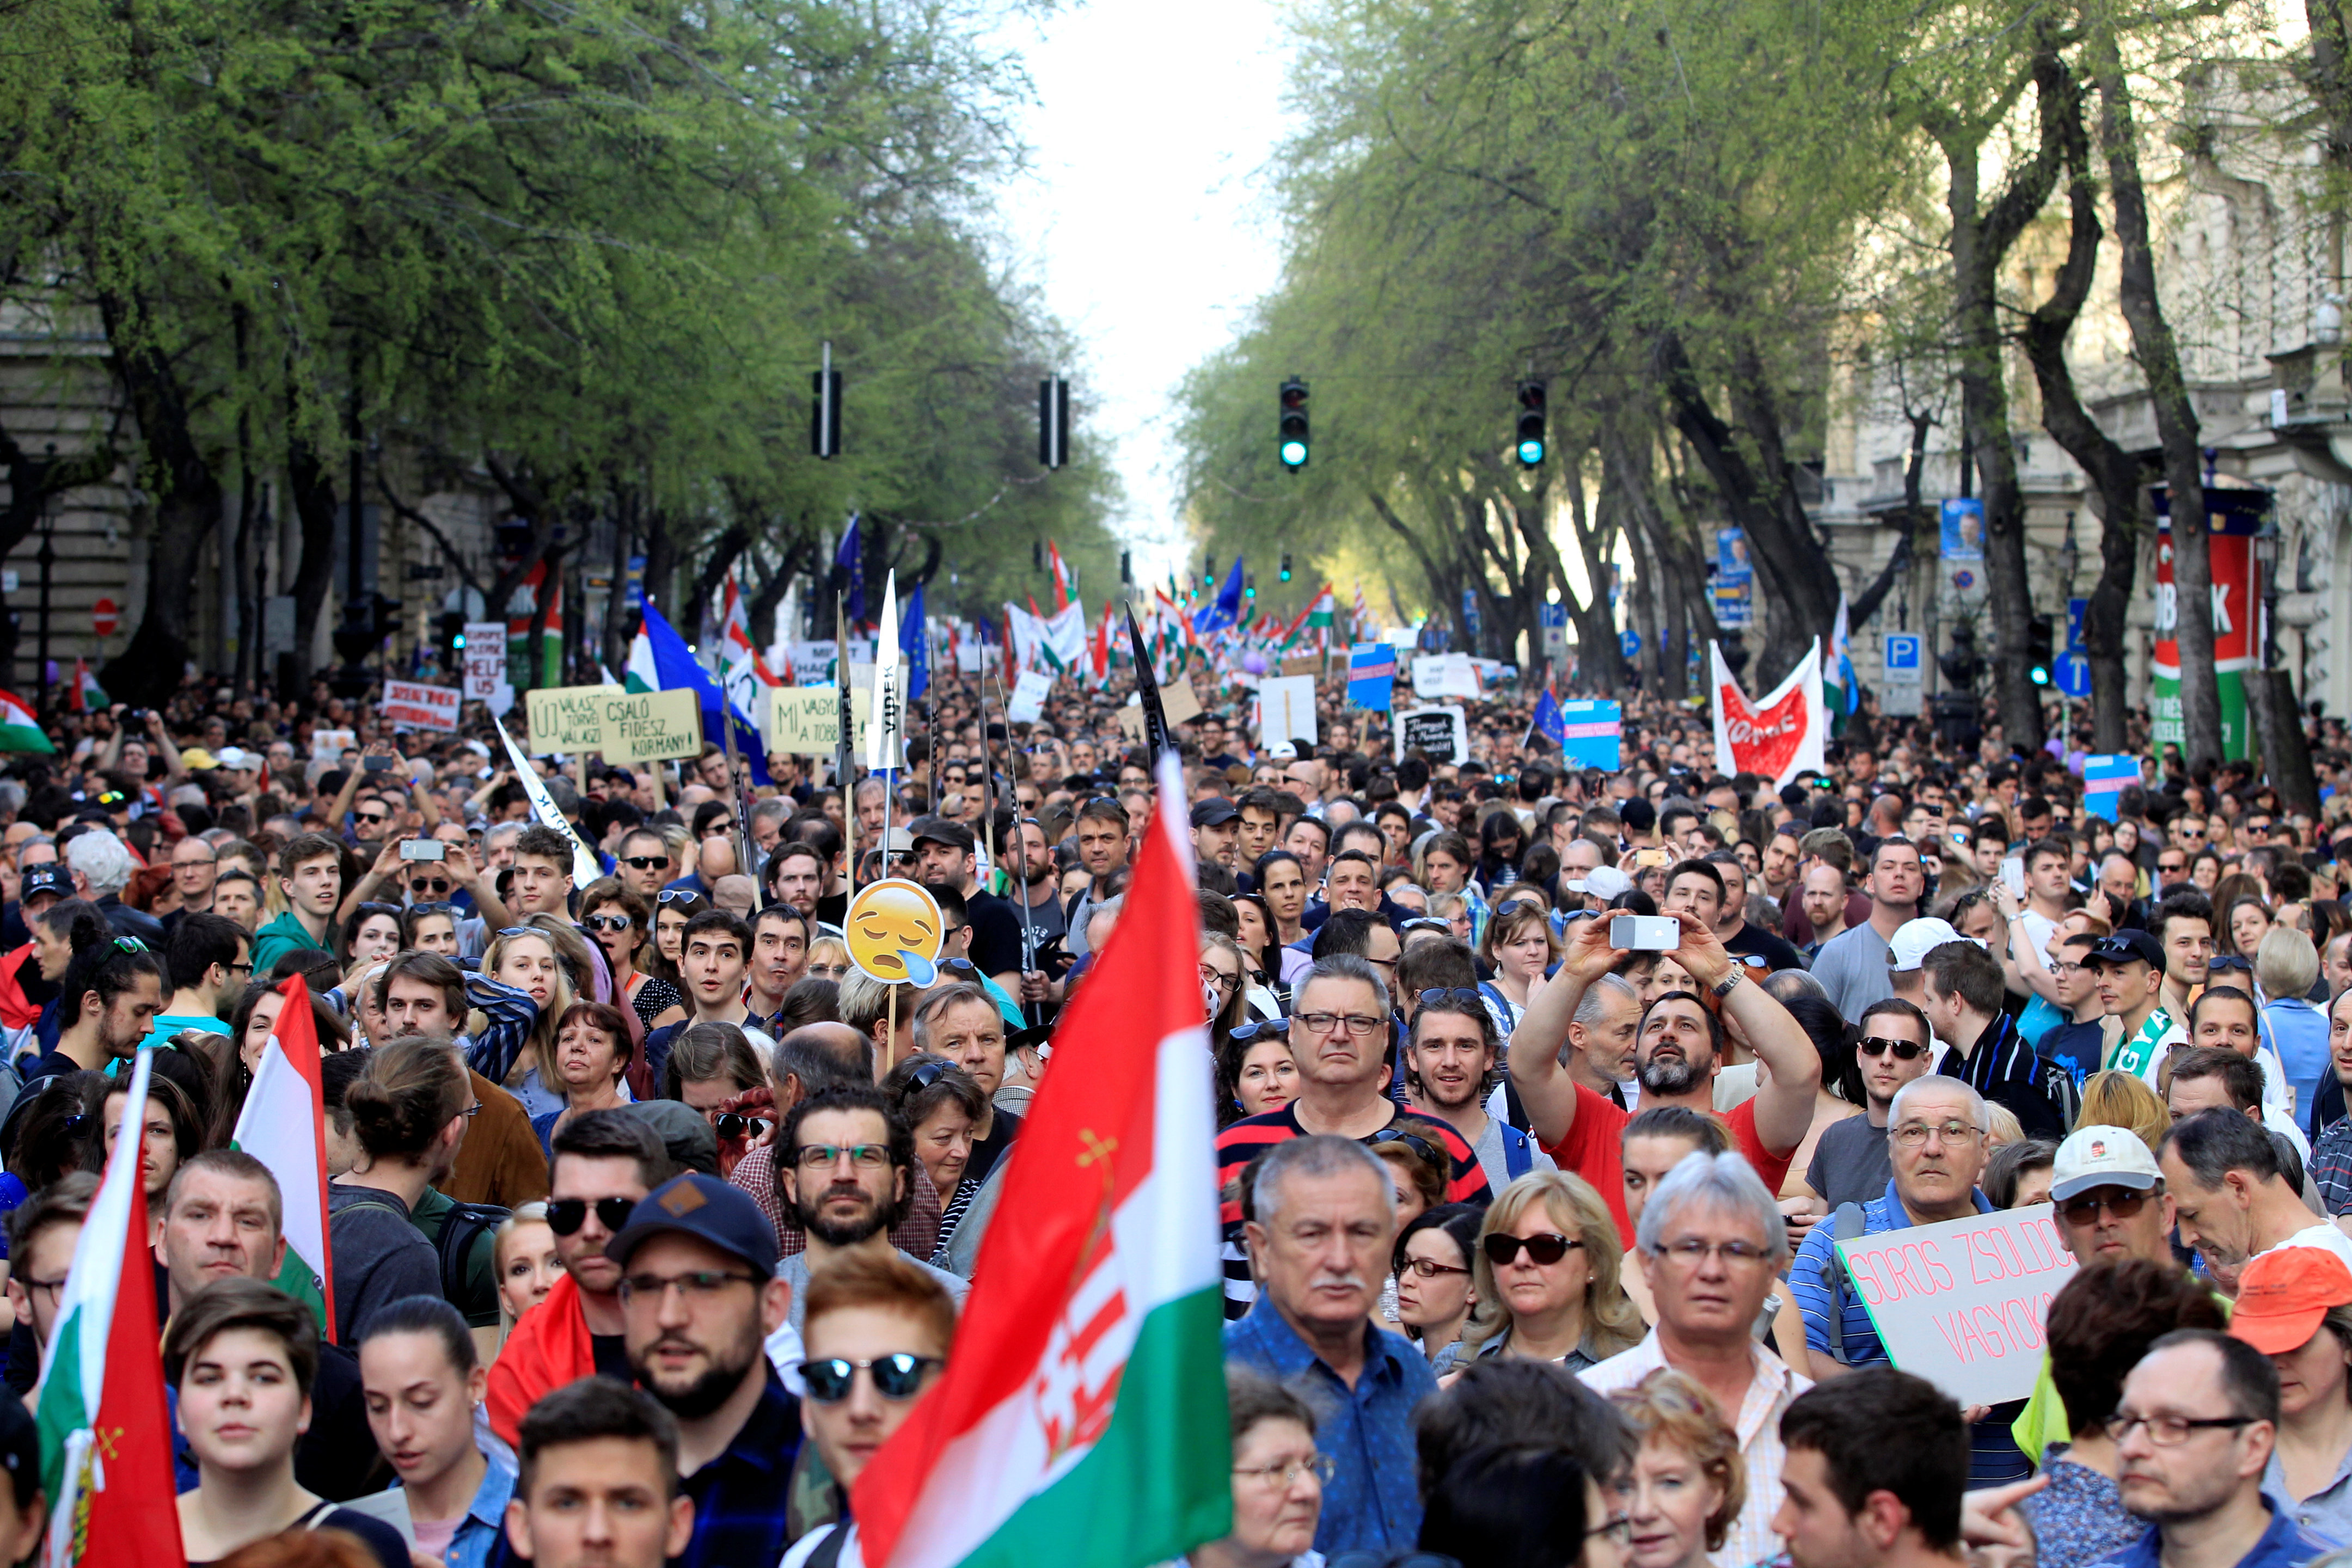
column 894, row 929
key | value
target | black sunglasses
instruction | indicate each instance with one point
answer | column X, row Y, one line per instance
column 729, row 1126
column 1878, row 1045
column 898, row 1375
column 645, row 862
column 1439, row 998
column 1420, row 1146
column 566, row 1215
column 1545, row 1248
column 2226, row 963
column 437, row 907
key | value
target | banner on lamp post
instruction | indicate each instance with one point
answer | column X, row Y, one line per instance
column 2235, row 516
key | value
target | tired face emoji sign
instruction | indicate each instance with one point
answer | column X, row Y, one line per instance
column 890, row 922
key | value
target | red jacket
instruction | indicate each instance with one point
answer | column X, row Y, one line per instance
column 548, row 1348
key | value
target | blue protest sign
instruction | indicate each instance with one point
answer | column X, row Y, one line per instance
column 2104, row 779
column 1371, row 674
column 1589, row 734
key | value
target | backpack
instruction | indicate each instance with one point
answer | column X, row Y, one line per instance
column 459, row 1228
column 1845, row 1225
column 1518, row 1152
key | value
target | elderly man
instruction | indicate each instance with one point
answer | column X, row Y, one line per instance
column 1936, row 1134
column 1711, row 1243
column 2230, row 1195
column 1323, row 1214
column 101, row 868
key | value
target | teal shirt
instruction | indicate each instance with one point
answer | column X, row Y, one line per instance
column 170, row 1024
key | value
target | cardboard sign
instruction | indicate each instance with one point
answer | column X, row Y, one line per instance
column 1961, row 1303
column 1592, row 734
column 329, row 744
column 1302, row 664
column 567, row 718
column 485, row 659
column 410, row 705
column 1028, row 699
column 1442, row 732
column 652, row 726
column 1444, row 675
column 805, row 721
column 1285, row 710
column 1176, row 701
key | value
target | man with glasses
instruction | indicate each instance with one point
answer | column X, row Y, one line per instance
column 2077, row 1045
column 1935, row 1136
column 844, row 1169
column 644, row 864
column 1450, row 1053
column 1852, row 1163
column 1340, row 1034
column 602, row 1166
column 2171, row 870
column 209, row 959
column 699, row 1297
column 2194, row 1435
column 194, row 866
column 2186, row 831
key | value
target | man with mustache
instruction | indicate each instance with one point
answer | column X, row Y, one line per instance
column 2230, row 1195
column 844, row 1159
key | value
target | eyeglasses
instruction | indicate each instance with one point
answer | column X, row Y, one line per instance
column 1429, row 1267
column 520, row 930
column 698, row 1285
column 1878, row 1045
column 608, row 923
column 729, row 1126
column 671, row 895
column 898, row 1375
column 1427, row 1152
column 1439, row 997
column 1357, row 1024
column 129, row 945
column 2169, row 1431
column 566, row 1215
column 1912, row 1135
column 2084, row 1208
column 1690, row 1251
column 371, row 818
column 1544, row 1248
column 643, row 862
column 2227, row 963
column 433, row 907
column 51, row 1286
column 823, row 1156
column 1220, row 979
column 1285, row 1475
column 1619, row 1532
column 1257, row 1026
column 429, row 885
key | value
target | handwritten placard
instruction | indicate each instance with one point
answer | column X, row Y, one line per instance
column 567, row 718
column 805, row 721
column 1442, row 732
column 1444, row 675
column 329, row 744
column 410, row 705
column 1962, row 1303
column 1028, row 699
column 652, row 726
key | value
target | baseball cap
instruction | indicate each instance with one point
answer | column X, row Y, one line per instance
column 2284, row 1297
column 2102, row 1156
column 1282, row 752
column 1214, row 812
column 198, row 758
column 941, row 830
column 48, row 877
column 1912, row 940
column 708, row 1209
column 687, row 1138
column 1603, row 882
column 236, row 757
column 2125, row 946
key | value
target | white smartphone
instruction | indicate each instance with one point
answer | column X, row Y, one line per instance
column 1660, row 933
column 2013, row 876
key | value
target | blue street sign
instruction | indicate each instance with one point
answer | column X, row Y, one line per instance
column 2076, row 610
column 2073, row 673
column 1902, row 651
column 1630, row 641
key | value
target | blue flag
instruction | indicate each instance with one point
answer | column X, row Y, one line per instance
column 1371, row 676
column 852, row 561
column 916, row 644
column 1226, row 611
column 678, row 669
column 1547, row 721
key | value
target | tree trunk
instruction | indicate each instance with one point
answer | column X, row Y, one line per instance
column 618, row 627
column 731, row 542
column 2158, row 357
column 2115, row 475
column 310, row 487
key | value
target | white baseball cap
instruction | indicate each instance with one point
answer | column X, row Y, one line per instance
column 1603, row 882
column 2102, row 1157
column 1912, row 940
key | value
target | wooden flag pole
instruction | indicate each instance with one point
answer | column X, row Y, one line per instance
column 842, row 752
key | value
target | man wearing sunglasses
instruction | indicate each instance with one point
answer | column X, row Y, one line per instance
column 876, row 1336
column 644, row 864
column 699, row 1298
column 1850, row 1163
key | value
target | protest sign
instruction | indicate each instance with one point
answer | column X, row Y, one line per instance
column 651, row 726
column 2104, row 779
column 410, row 705
column 1028, row 699
column 486, row 658
column 1444, row 675
column 567, row 718
column 1302, row 664
column 1285, row 710
column 1371, row 676
column 1589, row 734
column 1177, row 700
column 1442, row 732
column 1961, row 1303
column 805, row 721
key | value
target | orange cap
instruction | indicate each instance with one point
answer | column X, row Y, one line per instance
column 2284, row 1295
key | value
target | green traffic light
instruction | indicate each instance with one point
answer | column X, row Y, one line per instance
column 1293, row 453
column 2040, row 674
column 1531, row 452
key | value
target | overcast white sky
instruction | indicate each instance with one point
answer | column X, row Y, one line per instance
column 1147, row 216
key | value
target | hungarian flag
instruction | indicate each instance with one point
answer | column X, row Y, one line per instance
column 106, row 1433
column 88, row 694
column 1081, row 1422
column 743, row 672
column 284, row 1126
column 19, row 731
column 1061, row 577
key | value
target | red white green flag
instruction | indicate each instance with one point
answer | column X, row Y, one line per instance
column 1081, row 1422
column 284, row 1126
column 19, row 731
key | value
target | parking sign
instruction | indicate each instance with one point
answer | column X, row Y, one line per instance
column 1902, row 658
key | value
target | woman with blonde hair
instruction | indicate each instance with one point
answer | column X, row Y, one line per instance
column 2124, row 1100
column 828, row 959
column 1545, row 1272
column 1688, row 1481
column 530, row 960
column 1519, row 946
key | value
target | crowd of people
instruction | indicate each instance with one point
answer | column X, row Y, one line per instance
column 651, row 1216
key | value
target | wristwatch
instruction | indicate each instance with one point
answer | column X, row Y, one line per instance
column 1725, row 986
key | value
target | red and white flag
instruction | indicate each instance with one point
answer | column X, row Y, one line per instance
column 1779, row 737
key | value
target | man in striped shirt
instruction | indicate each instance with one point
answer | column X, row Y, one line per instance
column 1338, row 1035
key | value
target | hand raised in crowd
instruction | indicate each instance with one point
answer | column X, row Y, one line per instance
column 1701, row 950
column 1589, row 956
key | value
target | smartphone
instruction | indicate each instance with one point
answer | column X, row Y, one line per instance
column 2012, row 875
column 1658, row 933
column 375, row 764
column 424, row 849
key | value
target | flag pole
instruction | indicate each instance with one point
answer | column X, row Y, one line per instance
column 841, row 756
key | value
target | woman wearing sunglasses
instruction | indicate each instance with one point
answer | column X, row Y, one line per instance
column 672, row 908
column 1256, row 1071
column 1433, row 1288
column 430, row 928
column 1546, row 1274
column 615, row 916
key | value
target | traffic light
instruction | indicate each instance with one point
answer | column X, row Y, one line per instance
column 1127, row 568
column 1531, row 424
column 1036, row 556
column 1285, row 566
column 1208, row 571
column 1054, row 421
column 2040, row 633
column 1293, row 449
column 1249, row 585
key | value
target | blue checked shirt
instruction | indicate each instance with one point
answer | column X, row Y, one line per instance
column 741, row 1498
column 1373, row 1501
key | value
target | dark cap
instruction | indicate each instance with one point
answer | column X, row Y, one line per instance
column 2125, row 946
column 48, row 877
column 708, row 1209
column 687, row 1138
column 941, row 830
column 1214, row 812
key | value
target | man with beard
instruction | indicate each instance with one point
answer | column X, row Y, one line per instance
column 845, row 1167
column 699, row 1299
column 2230, row 1197
column 106, row 1003
column 1676, row 1055
column 1450, row 1053
column 1104, row 834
